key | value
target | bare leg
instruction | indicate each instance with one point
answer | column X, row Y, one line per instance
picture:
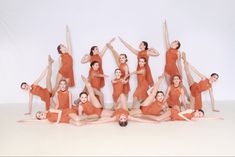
column 49, row 72
column 135, row 112
column 168, row 79
column 135, row 100
column 91, row 92
column 122, row 102
column 106, row 113
column 187, row 70
column 58, row 78
column 186, row 93
column 100, row 95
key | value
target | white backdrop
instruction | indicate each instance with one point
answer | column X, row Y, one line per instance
column 32, row 29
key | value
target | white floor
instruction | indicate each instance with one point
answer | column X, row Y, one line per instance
column 168, row 138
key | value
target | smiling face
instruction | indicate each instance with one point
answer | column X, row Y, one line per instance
column 83, row 98
column 95, row 50
column 63, row 85
column 142, row 62
column 160, row 97
column 198, row 114
column 122, row 58
column 95, row 66
column 142, row 47
column 118, row 73
column 176, row 80
column 175, row 44
column 123, row 120
column 41, row 115
column 214, row 78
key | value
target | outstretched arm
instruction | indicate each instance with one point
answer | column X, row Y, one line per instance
column 140, row 120
column 203, row 77
column 133, row 50
column 85, row 59
column 212, row 100
column 166, row 36
column 181, row 114
column 105, row 47
column 152, row 52
column 115, row 53
column 68, row 40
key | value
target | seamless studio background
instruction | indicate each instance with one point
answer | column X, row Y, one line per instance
column 32, row 29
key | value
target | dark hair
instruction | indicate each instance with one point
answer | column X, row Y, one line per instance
column 143, row 59
column 37, row 116
column 179, row 44
column 123, row 124
column 123, row 54
column 200, row 110
column 63, row 80
column 92, row 63
column 172, row 78
column 215, row 75
column 23, row 83
column 83, row 93
column 159, row 92
column 117, row 70
column 91, row 51
column 58, row 49
column 146, row 45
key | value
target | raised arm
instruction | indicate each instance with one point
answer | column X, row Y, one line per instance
column 212, row 100
column 152, row 52
column 30, row 104
column 59, row 114
column 105, row 47
column 133, row 50
column 167, row 93
column 85, row 59
column 197, row 72
column 115, row 53
column 68, row 40
column 166, row 36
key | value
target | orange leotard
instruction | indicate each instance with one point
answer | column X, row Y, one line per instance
column 175, row 116
column 66, row 69
column 171, row 59
column 95, row 81
column 117, row 89
column 89, row 109
column 63, row 98
column 142, row 87
column 154, row 108
column 52, row 117
column 196, row 89
column 117, row 113
column 43, row 93
column 174, row 96
column 126, row 87
column 148, row 71
column 97, row 58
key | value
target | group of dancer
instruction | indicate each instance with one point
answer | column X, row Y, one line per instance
column 155, row 105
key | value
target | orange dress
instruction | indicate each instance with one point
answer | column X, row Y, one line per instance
column 126, row 87
column 142, row 87
column 89, row 109
column 154, row 108
column 43, row 93
column 66, row 69
column 52, row 117
column 196, row 89
column 171, row 59
column 148, row 71
column 175, row 116
column 174, row 96
column 97, row 58
column 95, row 81
column 63, row 98
column 117, row 113
column 117, row 89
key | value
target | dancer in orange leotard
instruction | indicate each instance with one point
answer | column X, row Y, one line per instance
column 144, row 52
